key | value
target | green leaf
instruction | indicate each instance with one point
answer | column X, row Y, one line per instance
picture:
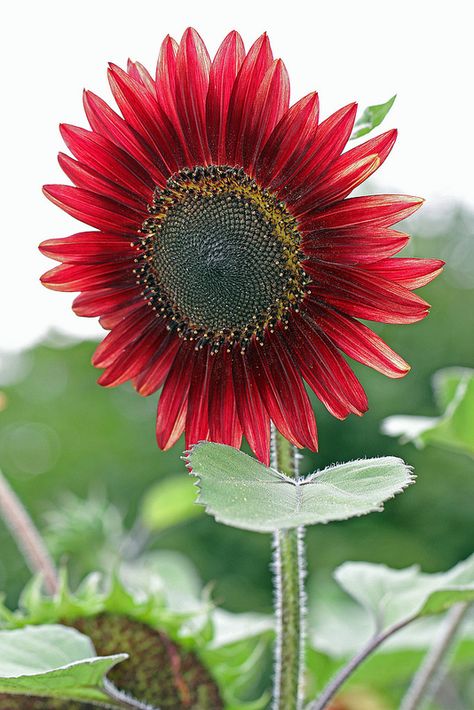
column 371, row 118
column 53, row 661
column 168, row 503
column 239, row 491
column 454, row 429
column 393, row 596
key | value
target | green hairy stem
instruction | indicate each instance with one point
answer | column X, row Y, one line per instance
column 290, row 602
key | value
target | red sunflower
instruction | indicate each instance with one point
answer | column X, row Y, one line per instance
column 228, row 264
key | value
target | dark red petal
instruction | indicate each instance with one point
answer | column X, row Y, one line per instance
column 365, row 295
column 282, row 391
column 336, row 185
column 99, row 153
column 224, row 69
column 354, row 245
column 106, row 300
column 89, row 277
column 197, row 415
column 348, row 171
column 224, row 423
column 141, row 74
column 166, row 91
column 288, row 143
column 252, row 413
column 166, row 76
column 105, row 121
column 151, row 378
column 324, row 369
column 410, row 273
column 173, row 402
column 359, row 342
column 371, row 210
column 330, row 138
column 136, row 307
column 271, row 102
column 242, row 100
column 83, row 176
column 125, row 332
column 192, row 80
column 143, row 113
column 89, row 248
column 134, row 356
column 97, row 211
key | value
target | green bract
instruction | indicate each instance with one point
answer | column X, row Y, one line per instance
column 371, row 118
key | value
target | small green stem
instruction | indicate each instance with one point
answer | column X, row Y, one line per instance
column 26, row 536
column 289, row 573
column 431, row 672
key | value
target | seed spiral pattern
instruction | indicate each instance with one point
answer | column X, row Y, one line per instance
column 219, row 256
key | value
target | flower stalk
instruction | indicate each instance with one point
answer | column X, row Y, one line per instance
column 290, row 601
column 27, row 537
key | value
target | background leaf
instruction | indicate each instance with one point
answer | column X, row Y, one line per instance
column 53, row 661
column 454, row 429
column 239, row 491
column 168, row 503
column 371, row 118
column 391, row 596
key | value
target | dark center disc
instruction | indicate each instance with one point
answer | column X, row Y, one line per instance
column 219, row 256
column 219, row 262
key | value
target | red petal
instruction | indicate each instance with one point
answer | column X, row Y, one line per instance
column 141, row 74
column 143, row 113
column 329, row 139
column 192, row 81
column 224, row 423
column 112, row 162
column 173, row 402
column 359, row 342
column 89, row 248
column 324, row 369
column 371, row 210
column 83, row 176
column 129, row 329
column 105, row 300
column 80, row 277
column 365, row 295
column 135, row 307
column 347, row 172
column 224, row 69
column 153, row 377
column 97, row 211
column 336, row 185
column 242, row 100
column 410, row 273
column 354, row 245
column 282, row 391
column 288, row 143
column 134, row 357
column 166, row 77
column 271, row 102
column 252, row 413
column 197, row 416
column 105, row 121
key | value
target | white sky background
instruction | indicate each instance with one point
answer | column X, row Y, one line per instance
column 364, row 51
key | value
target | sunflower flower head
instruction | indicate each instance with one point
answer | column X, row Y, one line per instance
column 226, row 260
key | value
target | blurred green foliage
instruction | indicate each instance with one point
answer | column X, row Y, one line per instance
column 60, row 432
